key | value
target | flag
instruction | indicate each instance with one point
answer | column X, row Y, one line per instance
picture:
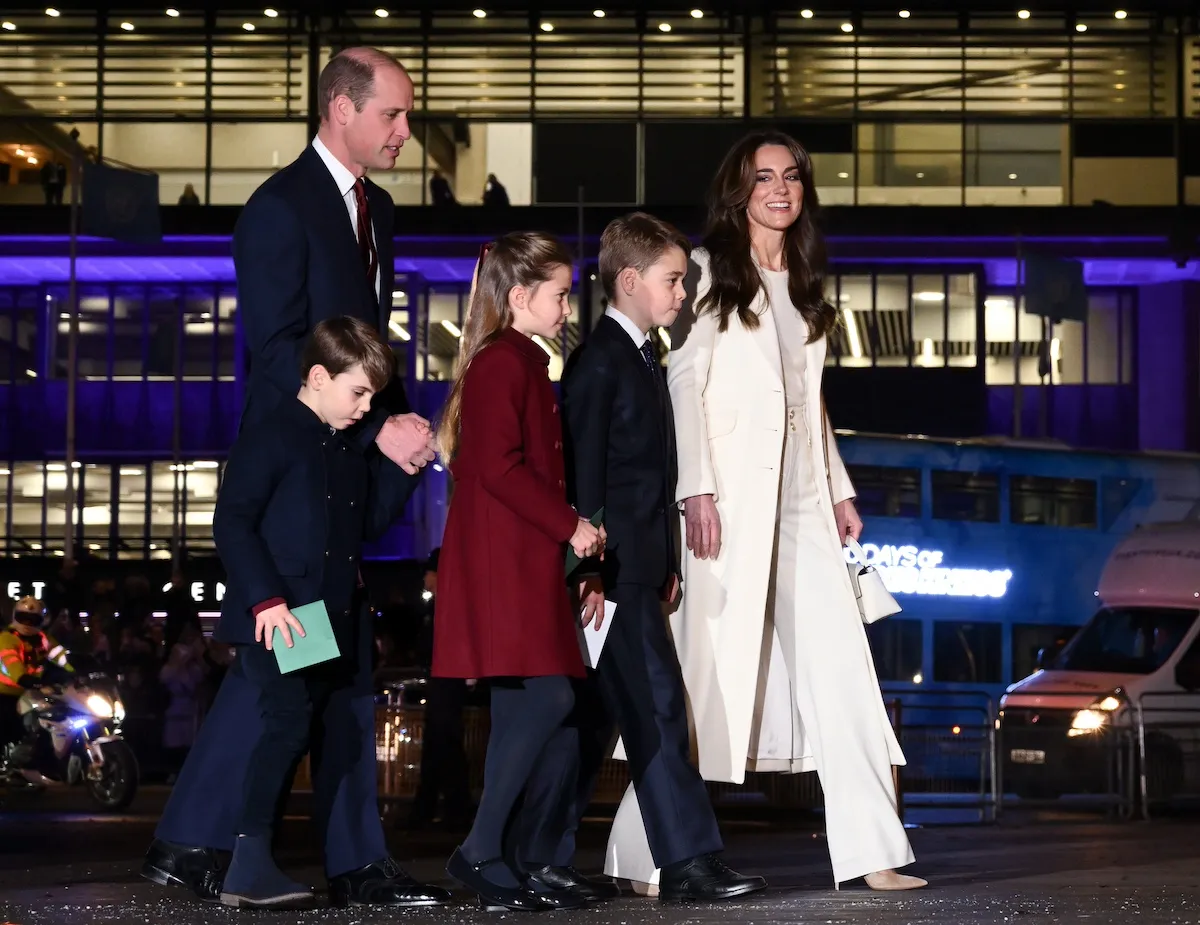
column 1054, row 288
column 120, row 204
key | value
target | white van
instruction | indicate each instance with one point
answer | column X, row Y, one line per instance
column 1071, row 726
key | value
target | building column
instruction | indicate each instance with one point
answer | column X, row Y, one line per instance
column 1168, row 366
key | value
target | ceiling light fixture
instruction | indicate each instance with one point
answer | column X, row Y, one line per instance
column 1022, row 14
column 904, row 14
column 1120, row 14
column 127, row 26
column 479, row 14
column 547, row 27
column 1080, row 27
column 10, row 26
column 806, row 14
column 599, row 14
column 664, row 27
column 847, row 27
column 697, row 14
column 172, row 12
column 270, row 13
column 248, row 26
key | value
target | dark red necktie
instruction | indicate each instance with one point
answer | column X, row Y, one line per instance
column 366, row 241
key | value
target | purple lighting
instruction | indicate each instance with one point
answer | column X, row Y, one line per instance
column 34, row 270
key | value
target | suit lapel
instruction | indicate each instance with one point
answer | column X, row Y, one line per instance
column 650, row 383
column 383, row 221
column 341, row 233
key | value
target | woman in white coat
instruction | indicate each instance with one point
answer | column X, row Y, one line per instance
column 775, row 657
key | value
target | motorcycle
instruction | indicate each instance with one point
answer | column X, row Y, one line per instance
column 74, row 736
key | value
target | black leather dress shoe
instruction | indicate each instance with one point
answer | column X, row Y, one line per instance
column 704, row 879
column 571, row 880
column 383, row 883
column 200, row 870
column 492, row 896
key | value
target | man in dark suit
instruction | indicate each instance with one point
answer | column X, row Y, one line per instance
column 620, row 440
column 313, row 242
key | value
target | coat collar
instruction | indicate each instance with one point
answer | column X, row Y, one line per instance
column 524, row 346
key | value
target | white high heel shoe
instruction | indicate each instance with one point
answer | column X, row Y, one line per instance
column 889, row 881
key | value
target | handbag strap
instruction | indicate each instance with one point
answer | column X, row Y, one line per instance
column 856, row 548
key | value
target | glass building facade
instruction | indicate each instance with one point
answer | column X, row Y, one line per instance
column 951, row 107
column 928, row 133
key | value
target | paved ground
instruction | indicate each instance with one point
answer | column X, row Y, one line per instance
column 61, row 865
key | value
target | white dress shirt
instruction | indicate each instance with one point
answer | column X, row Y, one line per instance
column 345, row 181
column 635, row 333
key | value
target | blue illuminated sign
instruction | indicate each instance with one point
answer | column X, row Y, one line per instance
column 912, row 570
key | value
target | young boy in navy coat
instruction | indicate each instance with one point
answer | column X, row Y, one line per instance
column 296, row 503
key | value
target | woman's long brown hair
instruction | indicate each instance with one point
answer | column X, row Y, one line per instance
column 524, row 258
column 736, row 280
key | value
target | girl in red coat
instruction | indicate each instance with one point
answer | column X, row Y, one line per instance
column 503, row 611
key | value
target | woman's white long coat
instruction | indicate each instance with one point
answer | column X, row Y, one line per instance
column 727, row 389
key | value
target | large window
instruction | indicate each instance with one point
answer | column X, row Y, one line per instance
column 919, row 319
column 1052, row 502
column 886, row 491
column 966, row 496
column 896, row 647
column 967, row 653
column 1042, row 351
column 131, row 509
column 1030, row 639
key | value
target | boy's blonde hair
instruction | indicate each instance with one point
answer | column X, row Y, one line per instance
column 636, row 240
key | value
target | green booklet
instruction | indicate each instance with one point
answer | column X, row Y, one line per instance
column 315, row 646
column 574, row 560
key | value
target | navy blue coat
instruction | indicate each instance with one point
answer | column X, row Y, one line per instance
column 298, row 263
column 297, row 501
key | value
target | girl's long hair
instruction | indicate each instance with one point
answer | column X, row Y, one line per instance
column 736, row 280
column 523, row 258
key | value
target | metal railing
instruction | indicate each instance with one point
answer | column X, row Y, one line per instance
column 1045, row 753
column 959, row 757
column 1168, row 749
column 948, row 740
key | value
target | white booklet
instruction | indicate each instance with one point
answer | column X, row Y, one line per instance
column 591, row 640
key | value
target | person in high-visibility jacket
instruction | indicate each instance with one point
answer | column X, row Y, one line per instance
column 25, row 651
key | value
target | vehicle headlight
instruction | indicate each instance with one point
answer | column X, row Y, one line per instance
column 118, row 711
column 101, row 706
column 1108, row 704
column 1086, row 721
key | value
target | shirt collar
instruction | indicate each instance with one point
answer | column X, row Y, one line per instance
column 342, row 176
column 631, row 329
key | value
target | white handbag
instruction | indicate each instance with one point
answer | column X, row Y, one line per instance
column 874, row 600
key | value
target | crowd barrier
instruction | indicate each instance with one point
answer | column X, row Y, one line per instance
column 960, row 758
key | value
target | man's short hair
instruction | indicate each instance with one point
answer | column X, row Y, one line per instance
column 351, row 73
column 340, row 344
column 636, row 240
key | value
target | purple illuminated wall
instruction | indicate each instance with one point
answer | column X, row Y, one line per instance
column 1167, row 375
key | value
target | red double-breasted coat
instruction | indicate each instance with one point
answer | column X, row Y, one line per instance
column 502, row 606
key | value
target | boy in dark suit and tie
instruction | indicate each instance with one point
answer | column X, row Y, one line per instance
column 621, row 442
column 296, row 503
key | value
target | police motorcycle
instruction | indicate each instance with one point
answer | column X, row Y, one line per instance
column 73, row 737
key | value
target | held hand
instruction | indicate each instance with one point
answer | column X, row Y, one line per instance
column 847, row 519
column 276, row 618
column 591, row 600
column 702, row 526
column 670, row 591
column 587, row 540
column 407, row 440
